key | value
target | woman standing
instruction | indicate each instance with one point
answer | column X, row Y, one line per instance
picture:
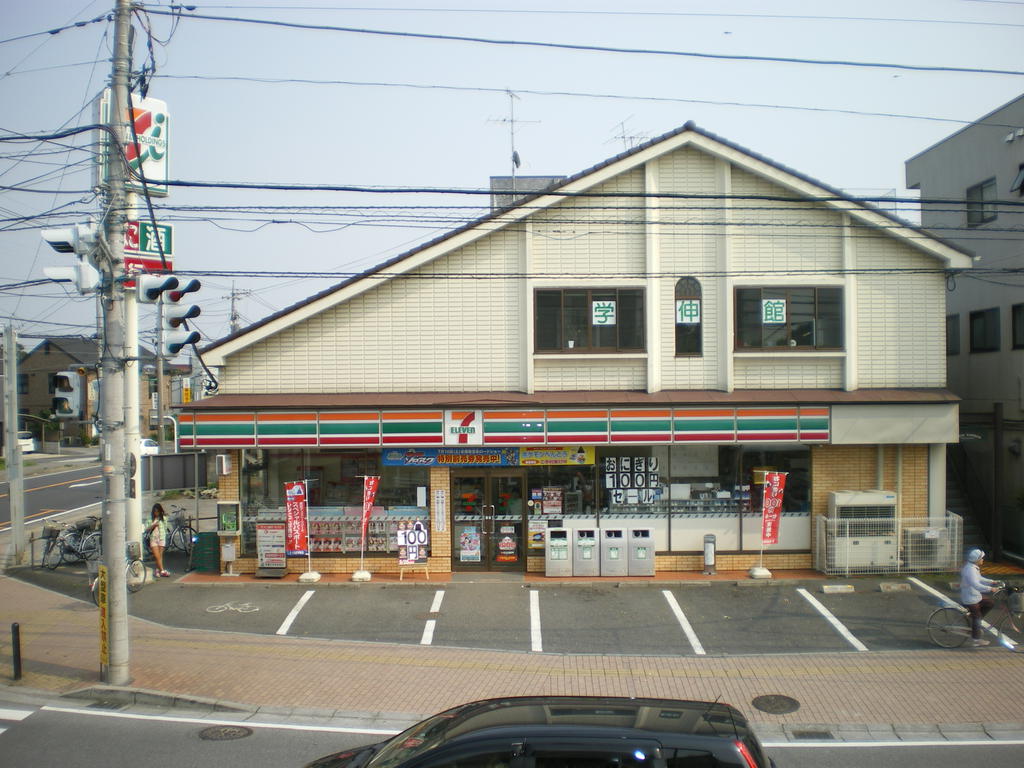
column 158, row 538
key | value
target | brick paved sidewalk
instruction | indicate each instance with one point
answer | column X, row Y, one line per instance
column 60, row 651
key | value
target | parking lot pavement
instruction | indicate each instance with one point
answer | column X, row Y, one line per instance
column 304, row 673
column 713, row 618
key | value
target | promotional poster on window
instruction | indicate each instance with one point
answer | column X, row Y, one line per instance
column 296, row 519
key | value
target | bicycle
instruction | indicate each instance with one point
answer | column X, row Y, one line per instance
column 182, row 535
column 81, row 540
column 950, row 626
column 135, row 574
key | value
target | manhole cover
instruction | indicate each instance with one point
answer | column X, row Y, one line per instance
column 774, row 704
column 225, row 732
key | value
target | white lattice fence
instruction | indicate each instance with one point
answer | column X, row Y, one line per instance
column 896, row 545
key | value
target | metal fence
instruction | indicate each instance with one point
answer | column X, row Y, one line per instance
column 845, row 546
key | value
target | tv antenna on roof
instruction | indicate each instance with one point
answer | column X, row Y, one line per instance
column 511, row 120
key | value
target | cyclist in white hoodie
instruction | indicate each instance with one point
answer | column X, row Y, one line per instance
column 973, row 590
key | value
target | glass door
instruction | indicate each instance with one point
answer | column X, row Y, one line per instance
column 489, row 520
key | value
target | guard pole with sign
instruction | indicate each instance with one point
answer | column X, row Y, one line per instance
column 771, row 517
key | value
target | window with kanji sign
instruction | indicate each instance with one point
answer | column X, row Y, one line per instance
column 575, row 320
column 789, row 317
column 688, row 318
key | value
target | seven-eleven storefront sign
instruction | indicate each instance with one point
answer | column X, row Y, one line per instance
column 463, row 428
column 146, row 148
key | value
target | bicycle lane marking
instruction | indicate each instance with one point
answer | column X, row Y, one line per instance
column 948, row 601
column 428, row 628
column 287, row 623
column 836, row 623
column 684, row 623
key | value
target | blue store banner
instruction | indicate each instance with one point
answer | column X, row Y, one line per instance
column 451, row 457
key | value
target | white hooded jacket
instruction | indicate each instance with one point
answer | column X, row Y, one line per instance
column 973, row 584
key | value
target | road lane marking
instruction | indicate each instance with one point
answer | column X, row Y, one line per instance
column 15, row 714
column 428, row 629
column 211, row 721
column 836, row 624
column 535, row 642
column 286, row 625
column 85, row 485
column 684, row 623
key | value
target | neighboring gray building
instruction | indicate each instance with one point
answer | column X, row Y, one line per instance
column 972, row 188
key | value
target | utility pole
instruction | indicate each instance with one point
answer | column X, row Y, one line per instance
column 12, row 451
column 235, row 319
column 115, row 651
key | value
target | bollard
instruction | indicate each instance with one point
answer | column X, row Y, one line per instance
column 709, row 554
column 16, row 650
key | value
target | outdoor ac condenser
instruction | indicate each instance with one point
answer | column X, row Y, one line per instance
column 863, row 524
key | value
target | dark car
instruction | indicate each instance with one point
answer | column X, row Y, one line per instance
column 568, row 732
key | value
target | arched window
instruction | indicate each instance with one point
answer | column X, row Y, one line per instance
column 689, row 317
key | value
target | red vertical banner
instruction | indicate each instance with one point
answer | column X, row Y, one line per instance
column 771, row 508
column 370, row 485
column 296, row 529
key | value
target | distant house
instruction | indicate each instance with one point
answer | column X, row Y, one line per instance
column 973, row 185
column 636, row 349
column 36, row 371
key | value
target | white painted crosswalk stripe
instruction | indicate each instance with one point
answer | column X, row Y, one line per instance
column 15, row 714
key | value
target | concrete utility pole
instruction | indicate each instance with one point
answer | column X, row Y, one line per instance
column 12, row 450
column 115, row 652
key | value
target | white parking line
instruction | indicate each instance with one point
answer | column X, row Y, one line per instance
column 535, row 642
column 286, row 625
column 428, row 629
column 684, row 623
column 838, row 625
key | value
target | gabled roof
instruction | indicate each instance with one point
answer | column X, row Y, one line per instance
column 687, row 135
column 82, row 350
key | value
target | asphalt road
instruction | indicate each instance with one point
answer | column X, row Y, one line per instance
column 49, row 494
column 97, row 738
column 712, row 619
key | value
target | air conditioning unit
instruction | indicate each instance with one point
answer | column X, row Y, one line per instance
column 927, row 549
column 862, row 525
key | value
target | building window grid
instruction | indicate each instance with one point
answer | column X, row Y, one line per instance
column 689, row 315
column 1017, row 318
column 981, row 207
column 811, row 318
column 566, row 320
column 985, row 330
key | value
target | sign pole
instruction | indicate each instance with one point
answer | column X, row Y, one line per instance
column 310, row 576
column 370, row 485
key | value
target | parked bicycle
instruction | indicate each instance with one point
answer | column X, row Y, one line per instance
column 950, row 626
column 135, row 575
column 72, row 543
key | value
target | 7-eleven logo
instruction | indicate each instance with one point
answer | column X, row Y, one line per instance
column 463, row 428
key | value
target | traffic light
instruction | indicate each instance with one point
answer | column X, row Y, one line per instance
column 151, row 287
column 79, row 239
column 67, row 394
column 176, row 333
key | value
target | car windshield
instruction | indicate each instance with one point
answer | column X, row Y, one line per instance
column 420, row 738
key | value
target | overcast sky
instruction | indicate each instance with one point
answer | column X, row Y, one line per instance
column 272, row 104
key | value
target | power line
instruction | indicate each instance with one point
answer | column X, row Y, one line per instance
column 589, row 48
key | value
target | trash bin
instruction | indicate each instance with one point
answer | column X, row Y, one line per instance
column 641, row 552
column 613, row 552
column 557, row 561
column 709, row 554
column 206, row 553
column 586, row 554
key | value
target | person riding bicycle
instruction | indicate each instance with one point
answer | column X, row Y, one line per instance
column 973, row 590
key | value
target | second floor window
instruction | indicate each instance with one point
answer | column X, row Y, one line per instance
column 576, row 320
column 797, row 317
column 985, row 330
column 1017, row 315
column 952, row 334
column 981, row 203
column 688, row 318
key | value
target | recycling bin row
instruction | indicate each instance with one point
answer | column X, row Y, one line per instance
column 599, row 552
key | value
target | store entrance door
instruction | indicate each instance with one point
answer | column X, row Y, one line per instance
column 489, row 513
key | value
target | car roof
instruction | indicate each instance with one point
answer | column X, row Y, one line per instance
column 549, row 714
